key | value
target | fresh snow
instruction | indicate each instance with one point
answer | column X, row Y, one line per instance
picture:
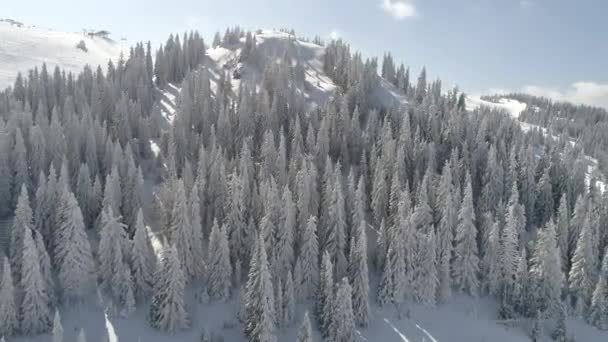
column 513, row 107
column 26, row 47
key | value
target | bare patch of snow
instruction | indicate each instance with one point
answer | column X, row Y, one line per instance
column 155, row 148
column 511, row 106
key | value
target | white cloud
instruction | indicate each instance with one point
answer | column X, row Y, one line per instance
column 584, row 92
column 526, row 3
column 399, row 9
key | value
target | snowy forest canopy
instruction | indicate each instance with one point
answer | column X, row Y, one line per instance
column 259, row 195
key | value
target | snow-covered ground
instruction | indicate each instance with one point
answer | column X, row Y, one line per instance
column 24, row 47
column 463, row 319
column 513, row 107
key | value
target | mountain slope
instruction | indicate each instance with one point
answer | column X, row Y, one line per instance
column 24, row 47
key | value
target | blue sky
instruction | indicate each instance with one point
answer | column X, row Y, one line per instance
column 557, row 48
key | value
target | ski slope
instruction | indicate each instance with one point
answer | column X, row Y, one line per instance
column 24, row 47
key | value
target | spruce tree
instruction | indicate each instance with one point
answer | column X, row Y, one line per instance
column 22, row 224
column 386, row 286
column 358, row 274
column 143, row 260
column 325, row 295
column 168, row 311
column 491, row 262
column 545, row 271
column 598, row 311
column 305, row 330
column 260, row 320
column 8, row 308
column 289, row 301
column 342, row 328
column 219, row 267
column 307, row 265
column 46, row 268
column 284, row 257
column 466, row 261
column 180, row 229
column 448, row 208
column 510, row 238
column 73, row 251
column 110, row 251
column 580, row 277
column 35, row 315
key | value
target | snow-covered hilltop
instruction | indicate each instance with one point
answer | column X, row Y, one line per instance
column 272, row 46
column 25, row 47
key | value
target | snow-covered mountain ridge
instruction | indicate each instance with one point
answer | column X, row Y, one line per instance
column 26, row 47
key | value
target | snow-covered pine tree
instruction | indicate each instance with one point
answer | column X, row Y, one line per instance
column 73, row 251
column 19, row 164
column 197, row 233
column 284, row 256
column 422, row 217
column 325, row 295
column 219, row 269
column 382, row 242
column 110, row 252
column 562, row 231
column 342, row 327
column 235, row 218
column 386, row 286
column 289, row 301
column 57, row 328
column 46, row 268
column 358, row 275
column 260, row 320
column 580, row 281
column 112, row 196
column 83, row 194
column 427, row 281
column 509, row 252
column 491, row 262
column 8, row 307
column 518, row 295
column 598, row 311
column 544, row 198
column 335, row 239
column 305, row 330
column 307, row 265
column 180, row 230
column 379, row 194
column 34, row 314
column 143, row 260
column 22, row 224
column 465, row 267
column 168, row 311
column 278, row 303
column 448, row 208
column 546, row 275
